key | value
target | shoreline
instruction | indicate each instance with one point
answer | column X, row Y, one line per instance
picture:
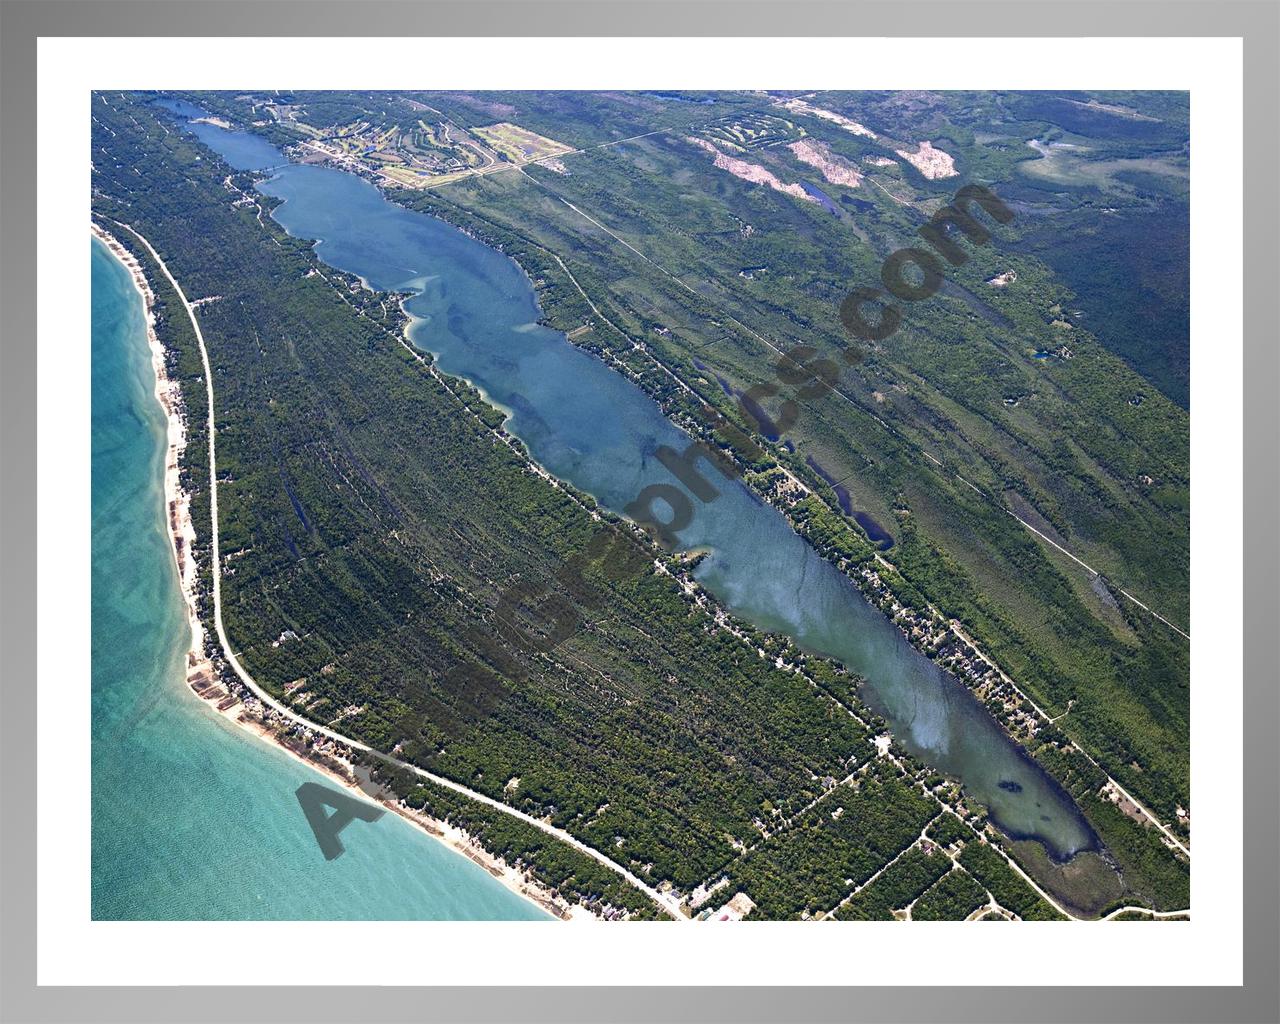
column 178, row 520
column 201, row 677
column 1020, row 717
column 458, row 841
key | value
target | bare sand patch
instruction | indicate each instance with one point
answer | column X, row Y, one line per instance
column 753, row 173
column 799, row 106
column 931, row 162
column 835, row 169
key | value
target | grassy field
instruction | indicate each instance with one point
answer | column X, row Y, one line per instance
column 519, row 145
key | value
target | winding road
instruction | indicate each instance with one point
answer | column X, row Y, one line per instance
column 665, row 901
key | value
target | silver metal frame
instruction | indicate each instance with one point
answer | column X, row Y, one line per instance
column 1258, row 23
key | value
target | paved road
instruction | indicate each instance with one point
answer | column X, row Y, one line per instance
column 668, row 903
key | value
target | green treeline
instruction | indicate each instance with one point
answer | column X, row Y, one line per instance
column 558, row 866
column 953, row 898
column 1005, row 885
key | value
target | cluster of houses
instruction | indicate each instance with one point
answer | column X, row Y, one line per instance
column 940, row 641
column 928, row 632
column 224, row 691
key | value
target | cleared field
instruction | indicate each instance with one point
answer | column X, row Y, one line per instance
column 1066, row 163
column 519, row 145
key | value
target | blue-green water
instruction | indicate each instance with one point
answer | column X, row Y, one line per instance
column 192, row 817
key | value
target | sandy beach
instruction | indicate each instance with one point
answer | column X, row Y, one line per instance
column 182, row 532
column 342, row 772
column 325, row 756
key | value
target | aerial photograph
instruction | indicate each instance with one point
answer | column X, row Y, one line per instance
column 690, row 506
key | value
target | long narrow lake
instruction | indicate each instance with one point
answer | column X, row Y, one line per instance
column 477, row 312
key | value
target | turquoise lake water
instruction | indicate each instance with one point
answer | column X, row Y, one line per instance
column 193, row 818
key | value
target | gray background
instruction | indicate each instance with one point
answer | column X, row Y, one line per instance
column 21, row 23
